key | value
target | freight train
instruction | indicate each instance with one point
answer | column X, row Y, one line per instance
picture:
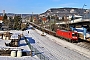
column 68, row 35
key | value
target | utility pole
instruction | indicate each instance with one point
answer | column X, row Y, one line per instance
column 31, row 20
column 32, row 16
column 67, row 22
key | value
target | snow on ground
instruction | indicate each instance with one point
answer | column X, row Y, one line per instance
column 19, row 58
column 2, row 42
column 48, row 46
column 22, row 44
column 80, row 50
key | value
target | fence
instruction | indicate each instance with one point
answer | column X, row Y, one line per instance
column 36, row 52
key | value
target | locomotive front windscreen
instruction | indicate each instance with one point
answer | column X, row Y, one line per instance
column 74, row 34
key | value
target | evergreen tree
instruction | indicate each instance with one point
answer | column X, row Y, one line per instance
column 5, row 16
column 17, row 22
column 5, row 21
column 11, row 22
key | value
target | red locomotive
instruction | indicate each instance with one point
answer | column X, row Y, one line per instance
column 71, row 36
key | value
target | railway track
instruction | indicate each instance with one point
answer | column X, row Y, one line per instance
column 81, row 43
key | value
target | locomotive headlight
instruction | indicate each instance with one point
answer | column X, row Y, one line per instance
column 74, row 37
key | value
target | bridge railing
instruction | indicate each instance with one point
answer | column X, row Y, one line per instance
column 36, row 52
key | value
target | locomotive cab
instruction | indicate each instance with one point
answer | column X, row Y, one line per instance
column 74, row 36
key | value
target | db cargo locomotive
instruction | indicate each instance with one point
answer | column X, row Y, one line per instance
column 69, row 35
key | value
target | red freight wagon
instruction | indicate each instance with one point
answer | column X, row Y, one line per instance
column 72, row 36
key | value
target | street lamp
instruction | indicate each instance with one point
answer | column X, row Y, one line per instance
column 83, row 9
column 83, row 6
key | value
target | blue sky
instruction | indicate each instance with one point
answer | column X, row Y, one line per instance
column 39, row 6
